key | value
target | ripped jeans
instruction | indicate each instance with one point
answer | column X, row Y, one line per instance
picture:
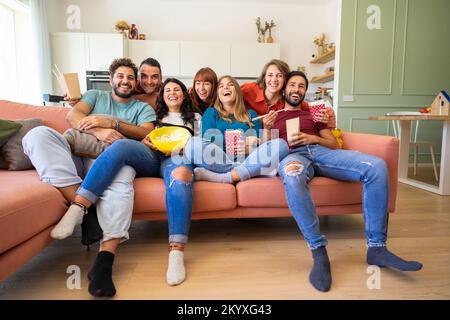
column 300, row 166
column 146, row 163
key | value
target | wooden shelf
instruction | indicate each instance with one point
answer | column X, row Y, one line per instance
column 325, row 57
column 323, row 78
column 424, row 116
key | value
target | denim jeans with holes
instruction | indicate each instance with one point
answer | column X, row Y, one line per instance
column 298, row 168
column 146, row 163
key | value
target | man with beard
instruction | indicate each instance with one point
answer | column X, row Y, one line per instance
column 148, row 84
column 313, row 151
column 109, row 116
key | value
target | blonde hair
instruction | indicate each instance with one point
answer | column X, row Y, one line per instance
column 240, row 111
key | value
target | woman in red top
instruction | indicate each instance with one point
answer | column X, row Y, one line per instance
column 265, row 95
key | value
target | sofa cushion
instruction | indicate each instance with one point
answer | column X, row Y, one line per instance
column 28, row 206
column 150, row 196
column 269, row 192
column 211, row 196
column 12, row 151
column 7, row 129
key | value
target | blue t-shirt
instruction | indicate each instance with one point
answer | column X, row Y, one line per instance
column 134, row 112
column 214, row 127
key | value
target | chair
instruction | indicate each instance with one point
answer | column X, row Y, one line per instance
column 414, row 142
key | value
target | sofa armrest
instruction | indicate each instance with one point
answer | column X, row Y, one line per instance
column 54, row 117
column 384, row 147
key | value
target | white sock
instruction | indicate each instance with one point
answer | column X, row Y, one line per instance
column 72, row 217
column 207, row 175
column 175, row 271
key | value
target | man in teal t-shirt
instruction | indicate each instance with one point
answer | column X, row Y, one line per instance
column 109, row 116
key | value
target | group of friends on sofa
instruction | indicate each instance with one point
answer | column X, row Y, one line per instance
column 140, row 102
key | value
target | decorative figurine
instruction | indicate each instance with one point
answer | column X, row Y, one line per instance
column 269, row 27
column 122, row 26
column 262, row 31
column 322, row 44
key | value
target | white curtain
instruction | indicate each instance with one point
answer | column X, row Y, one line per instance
column 39, row 28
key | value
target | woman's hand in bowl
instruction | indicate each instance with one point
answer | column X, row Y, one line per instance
column 147, row 142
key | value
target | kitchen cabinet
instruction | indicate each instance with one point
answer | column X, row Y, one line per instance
column 78, row 52
column 248, row 59
column 166, row 52
column 103, row 48
column 196, row 55
column 68, row 53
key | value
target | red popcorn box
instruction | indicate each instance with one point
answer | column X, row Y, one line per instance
column 232, row 139
column 315, row 107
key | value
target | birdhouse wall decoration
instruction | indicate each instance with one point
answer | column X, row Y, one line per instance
column 441, row 104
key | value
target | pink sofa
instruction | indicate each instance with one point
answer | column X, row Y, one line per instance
column 29, row 208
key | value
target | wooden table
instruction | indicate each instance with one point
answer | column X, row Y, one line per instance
column 405, row 137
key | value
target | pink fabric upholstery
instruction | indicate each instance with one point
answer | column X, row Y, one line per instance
column 29, row 208
column 54, row 117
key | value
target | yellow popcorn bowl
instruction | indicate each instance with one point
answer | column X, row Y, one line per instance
column 168, row 139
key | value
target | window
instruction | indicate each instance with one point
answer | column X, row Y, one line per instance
column 19, row 79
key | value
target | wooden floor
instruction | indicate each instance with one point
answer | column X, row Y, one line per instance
column 424, row 174
column 258, row 259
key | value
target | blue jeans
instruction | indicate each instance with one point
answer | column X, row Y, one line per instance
column 298, row 168
column 146, row 163
column 261, row 161
column 179, row 197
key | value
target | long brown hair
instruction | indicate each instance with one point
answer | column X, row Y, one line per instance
column 240, row 112
column 207, row 75
column 187, row 113
column 281, row 65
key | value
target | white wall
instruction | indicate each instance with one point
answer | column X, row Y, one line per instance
column 298, row 21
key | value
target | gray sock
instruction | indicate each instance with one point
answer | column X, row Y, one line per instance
column 207, row 175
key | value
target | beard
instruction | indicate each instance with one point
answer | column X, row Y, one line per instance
column 294, row 103
column 120, row 94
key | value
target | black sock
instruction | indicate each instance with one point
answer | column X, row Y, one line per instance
column 91, row 232
column 382, row 257
column 320, row 276
column 100, row 276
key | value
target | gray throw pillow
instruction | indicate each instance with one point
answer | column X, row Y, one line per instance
column 12, row 150
column 7, row 129
column 84, row 144
column 3, row 163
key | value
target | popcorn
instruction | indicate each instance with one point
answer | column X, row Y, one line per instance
column 168, row 138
